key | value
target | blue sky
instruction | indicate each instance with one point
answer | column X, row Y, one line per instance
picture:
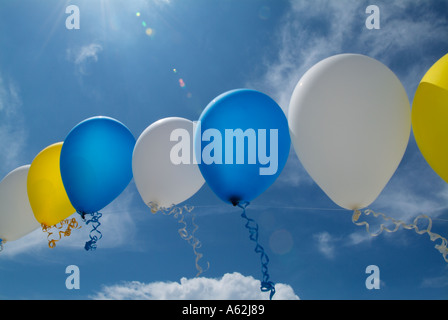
column 51, row 78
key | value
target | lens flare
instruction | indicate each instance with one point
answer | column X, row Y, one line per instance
column 281, row 241
column 181, row 83
column 149, row 32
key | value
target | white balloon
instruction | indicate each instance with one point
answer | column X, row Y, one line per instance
column 165, row 173
column 350, row 122
column 16, row 216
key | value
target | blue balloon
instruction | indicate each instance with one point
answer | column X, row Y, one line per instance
column 242, row 143
column 96, row 163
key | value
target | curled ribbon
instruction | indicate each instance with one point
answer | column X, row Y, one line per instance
column 442, row 247
column 252, row 226
column 71, row 224
column 94, row 234
column 178, row 214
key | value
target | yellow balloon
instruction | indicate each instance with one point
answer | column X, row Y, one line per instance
column 46, row 192
column 430, row 117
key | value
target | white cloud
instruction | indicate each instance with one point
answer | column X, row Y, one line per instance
column 294, row 174
column 435, row 282
column 9, row 97
column 312, row 31
column 89, row 52
column 300, row 48
column 358, row 237
column 232, row 286
column 325, row 244
column 12, row 128
column 33, row 242
column 84, row 56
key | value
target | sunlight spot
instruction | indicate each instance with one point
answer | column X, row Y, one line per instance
column 149, row 32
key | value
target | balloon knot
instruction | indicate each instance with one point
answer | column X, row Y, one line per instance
column 356, row 215
column 153, row 206
column 235, row 201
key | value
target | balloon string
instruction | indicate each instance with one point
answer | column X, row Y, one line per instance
column 94, row 234
column 71, row 224
column 252, row 226
column 178, row 214
column 442, row 247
